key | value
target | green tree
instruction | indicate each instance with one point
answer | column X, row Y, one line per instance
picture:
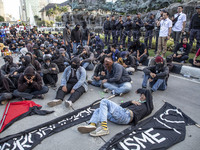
column 1, row 19
column 58, row 18
column 63, row 9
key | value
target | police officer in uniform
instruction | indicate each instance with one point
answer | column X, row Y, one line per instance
column 194, row 28
column 149, row 26
column 127, row 30
column 106, row 30
column 119, row 29
column 137, row 24
column 113, row 28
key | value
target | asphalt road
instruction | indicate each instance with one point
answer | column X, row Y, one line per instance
column 181, row 92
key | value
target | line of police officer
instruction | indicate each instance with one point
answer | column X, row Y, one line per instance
column 120, row 29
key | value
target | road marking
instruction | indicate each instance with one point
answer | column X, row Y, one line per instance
column 185, row 78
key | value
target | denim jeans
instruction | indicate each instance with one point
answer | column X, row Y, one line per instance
column 88, row 66
column 109, row 110
column 96, row 83
column 68, row 47
column 75, row 47
column 155, row 85
column 119, row 88
column 29, row 94
column 5, row 96
column 84, row 42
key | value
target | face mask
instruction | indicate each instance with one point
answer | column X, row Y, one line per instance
column 74, row 66
column 28, row 77
column 47, row 64
column 77, row 28
column 159, row 65
column 124, row 58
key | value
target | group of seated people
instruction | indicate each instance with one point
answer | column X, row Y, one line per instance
column 44, row 56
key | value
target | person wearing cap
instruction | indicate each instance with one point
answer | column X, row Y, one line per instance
column 149, row 26
column 50, row 72
column 179, row 22
column 73, row 82
column 38, row 52
column 128, row 62
column 106, row 30
column 76, row 38
column 164, row 34
column 137, row 24
column 119, row 29
column 158, row 28
column 127, row 30
column 194, row 28
column 113, row 28
column 156, row 75
column 127, row 113
column 30, row 85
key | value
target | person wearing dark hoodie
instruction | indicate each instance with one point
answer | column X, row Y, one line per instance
column 99, row 73
column 34, row 62
column 117, row 78
column 181, row 51
column 38, row 52
column 76, row 38
column 30, row 85
column 59, row 60
column 50, row 72
column 127, row 113
column 87, row 58
column 6, row 89
column 9, row 66
column 73, row 81
column 157, row 75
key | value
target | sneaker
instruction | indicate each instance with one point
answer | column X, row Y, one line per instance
column 106, row 90
column 152, row 91
column 116, row 94
column 89, row 81
column 100, row 131
column 86, row 129
column 68, row 103
column 40, row 96
column 54, row 102
column 144, row 87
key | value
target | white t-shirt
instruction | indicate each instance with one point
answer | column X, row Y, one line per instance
column 164, row 27
column 179, row 24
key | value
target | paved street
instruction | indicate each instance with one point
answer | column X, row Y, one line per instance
column 181, row 92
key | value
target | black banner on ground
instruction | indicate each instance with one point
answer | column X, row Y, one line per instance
column 32, row 137
column 164, row 129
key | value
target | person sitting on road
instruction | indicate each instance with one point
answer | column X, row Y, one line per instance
column 87, row 58
column 6, row 89
column 73, row 81
column 181, row 52
column 194, row 61
column 117, row 78
column 30, row 85
column 115, row 53
column 127, row 113
column 128, row 62
column 9, row 66
column 99, row 73
column 50, row 72
column 157, row 75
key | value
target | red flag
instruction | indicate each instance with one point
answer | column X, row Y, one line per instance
column 17, row 110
